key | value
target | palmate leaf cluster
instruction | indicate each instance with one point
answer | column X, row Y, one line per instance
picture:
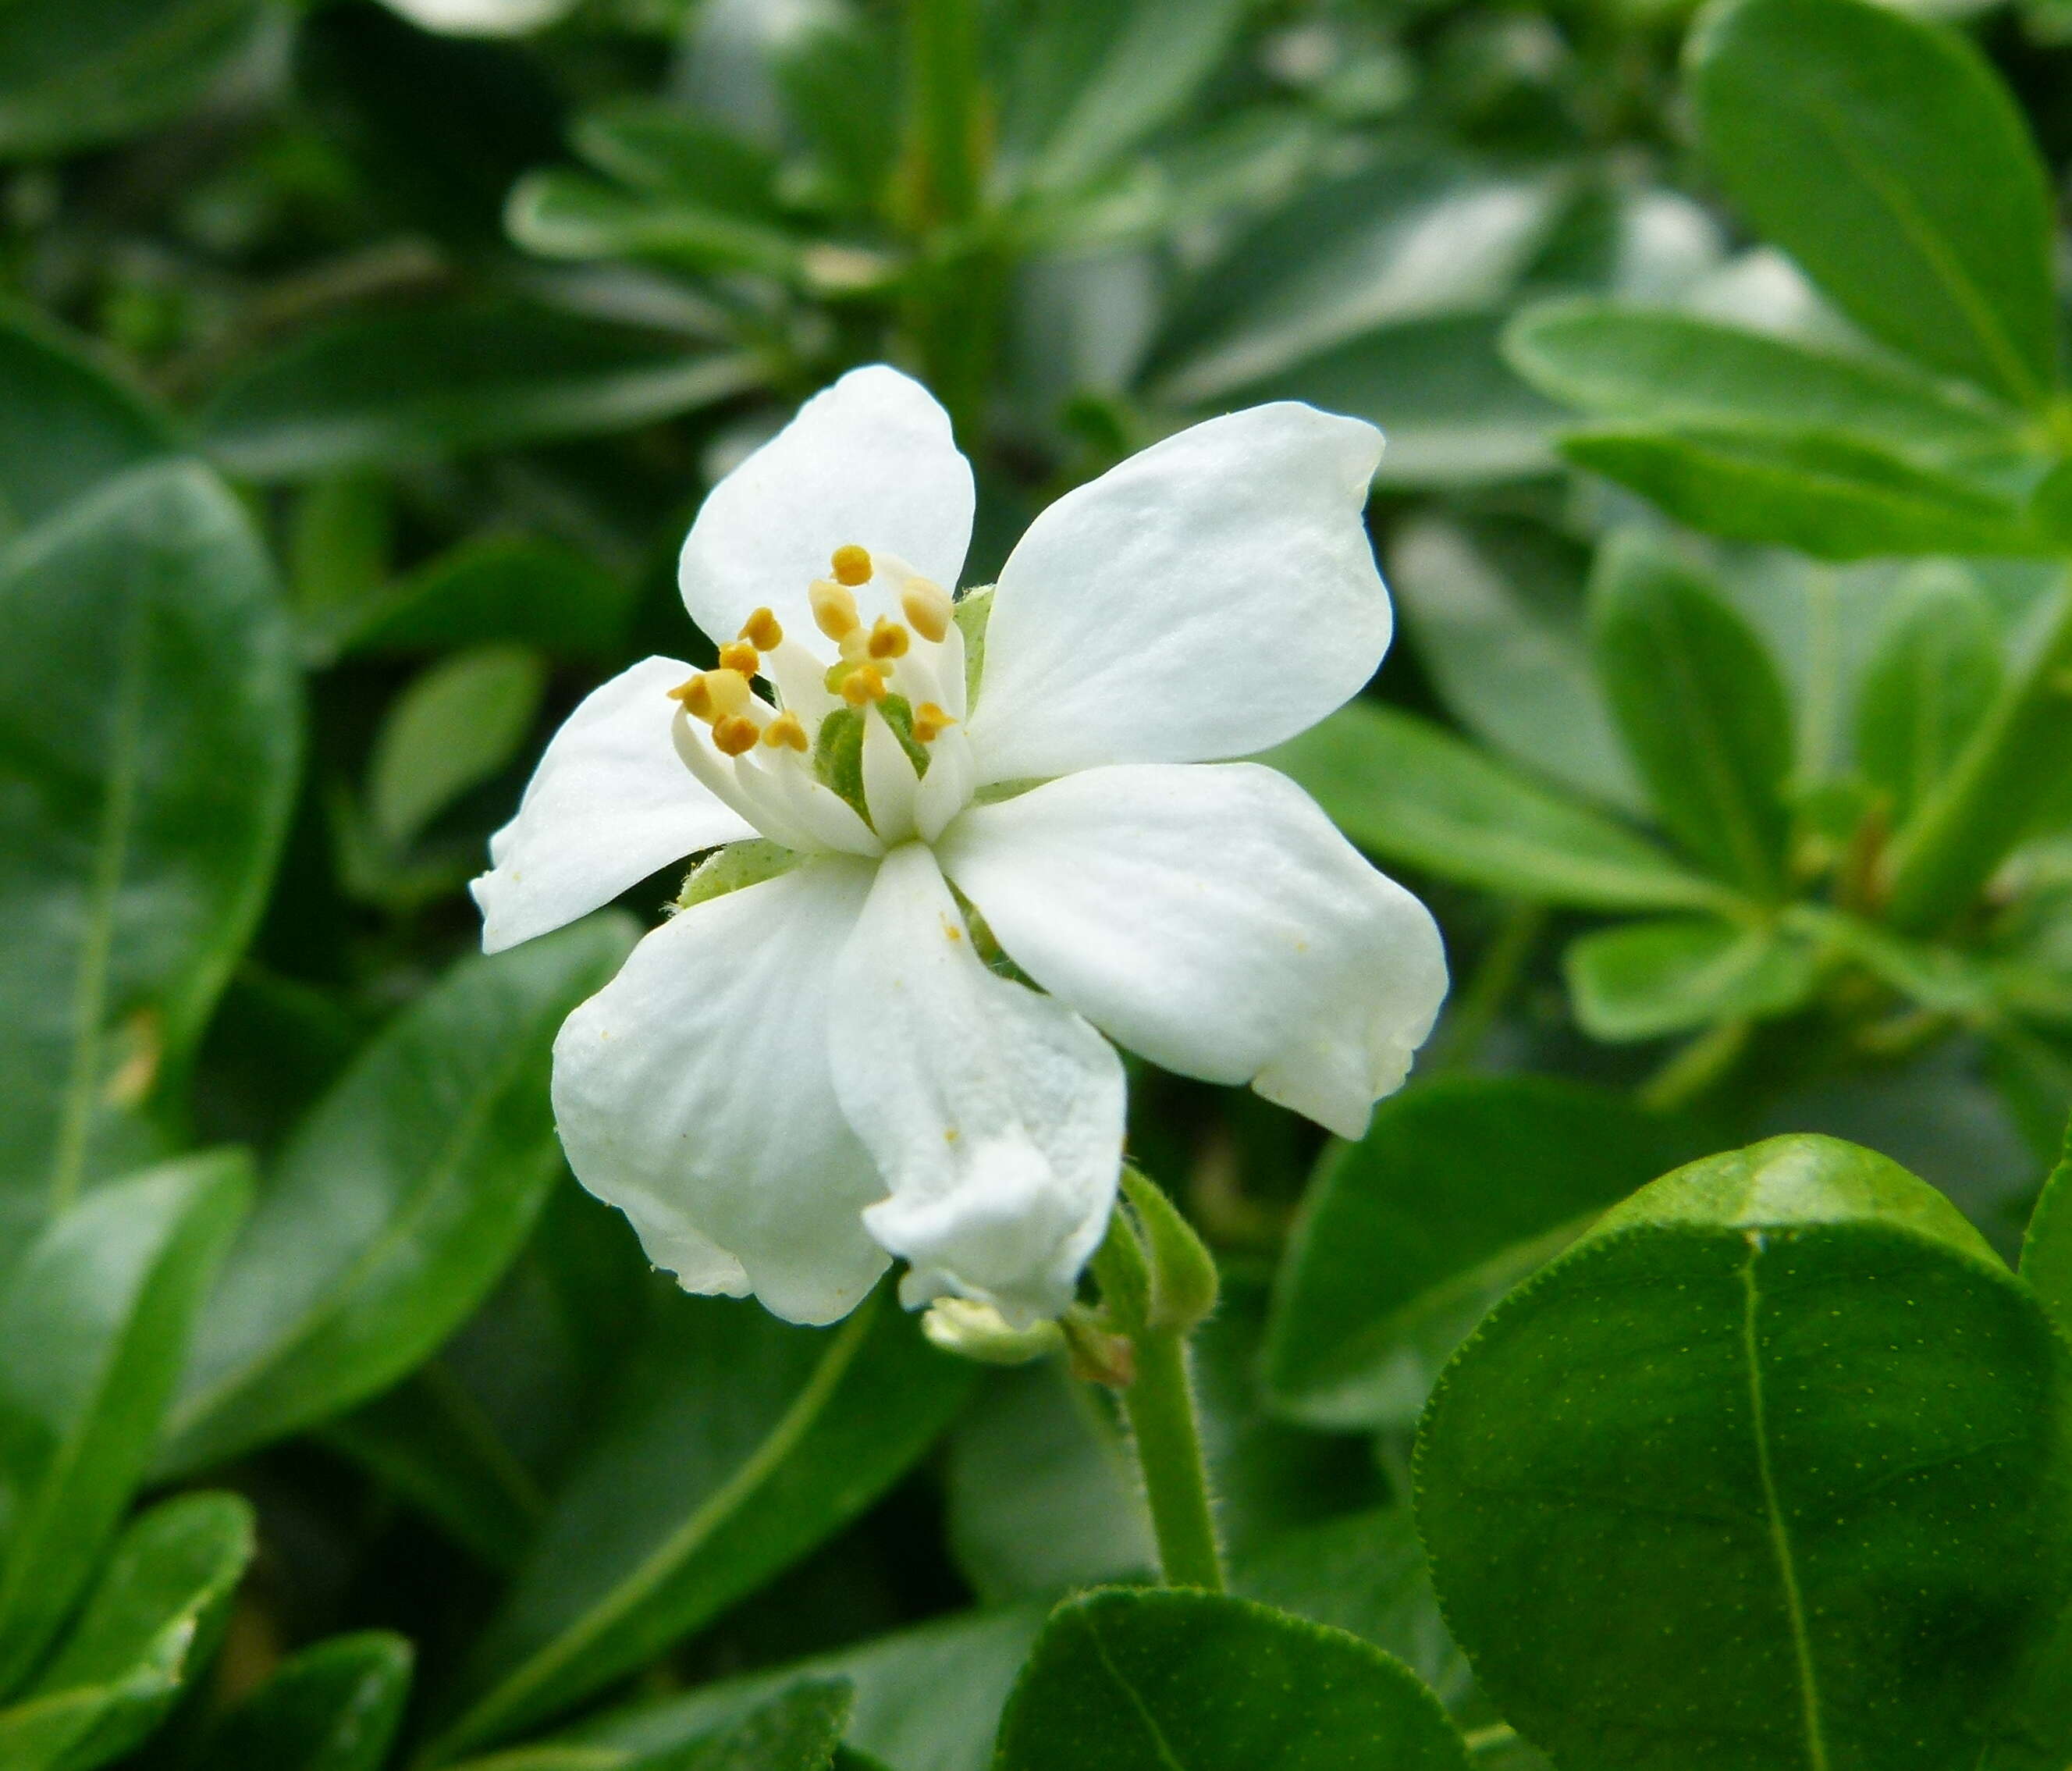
column 357, row 385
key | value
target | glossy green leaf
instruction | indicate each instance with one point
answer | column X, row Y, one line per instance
column 150, row 708
column 926, row 1699
column 515, row 589
column 800, row 1730
column 396, row 1206
column 64, row 425
column 1769, row 1473
column 95, row 1314
column 334, row 1707
column 1701, row 709
column 738, row 1444
column 1087, row 83
column 1496, row 612
column 1659, row 366
column 150, row 1624
column 559, row 213
column 1926, row 688
column 1645, row 979
column 74, row 73
column 1347, row 258
column 1459, row 1189
column 1176, row 1680
column 1884, row 154
column 1412, row 793
column 1453, row 413
column 447, row 381
column 1826, row 494
column 453, row 727
column 2046, row 1248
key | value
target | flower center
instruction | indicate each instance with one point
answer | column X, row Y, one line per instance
column 855, row 754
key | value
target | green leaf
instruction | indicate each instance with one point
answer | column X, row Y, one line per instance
column 1177, row 1680
column 926, row 1699
column 96, row 1314
column 447, row 381
column 1769, row 1473
column 1086, row 84
column 515, row 589
column 1396, row 242
column 739, row 1444
column 1660, row 367
column 1412, row 793
column 1453, row 414
column 1648, row 979
column 453, row 727
column 1927, row 687
column 64, row 425
column 396, row 1206
column 1884, row 154
column 562, row 214
column 74, row 73
column 1827, row 495
column 1496, row 610
column 151, row 1625
column 1699, row 703
column 150, row 710
column 799, row 1731
column 334, row 1707
column 1459, row 1189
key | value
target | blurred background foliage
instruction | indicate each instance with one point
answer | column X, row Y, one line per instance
column 360, row 371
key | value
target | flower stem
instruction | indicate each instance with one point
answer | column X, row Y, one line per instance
column 1160, row 1407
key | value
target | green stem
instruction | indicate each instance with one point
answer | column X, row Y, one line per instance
column 944, row 116
column 1950, row 849
column 1160, row 1407
column 1489, row 987
column 1696, row 1067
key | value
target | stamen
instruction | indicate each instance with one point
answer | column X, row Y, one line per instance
column 927, row 605
column 834, row 609
column 865, row 683
column 727, row 694
column 694, row 698
column 930, row 722
column 739, row 656
column 786, row 731
column 852, row 564
column 734, row 735
column 888, row 639
column 764, row 630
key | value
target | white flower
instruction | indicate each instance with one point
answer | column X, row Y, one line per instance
column 482, row 18
column 790, row 1079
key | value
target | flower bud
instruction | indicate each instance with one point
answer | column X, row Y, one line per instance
column 976, row 1331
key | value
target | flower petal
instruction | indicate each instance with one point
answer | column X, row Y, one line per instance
column 869, row 462
column 1208, row 597
column 995, row 1114
column 1211, row 918
column 611, row 802
column 692, row 1092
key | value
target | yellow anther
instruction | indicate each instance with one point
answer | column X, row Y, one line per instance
column 727, row 694
column 735, row 736
column 740, row 657
column 928, row 607
column 888, row 639
column 852, row 564
column 930, row 722
column 695, row 697
column 786, row 731
column 764, row 630
column 864, row 683
column 834, row 609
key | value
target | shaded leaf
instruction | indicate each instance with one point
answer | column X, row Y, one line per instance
column 396, row 1206
column 334, row 1707
column 1926, row 688
column 453, row 727
column 1459, row 1189
column 1648, row 979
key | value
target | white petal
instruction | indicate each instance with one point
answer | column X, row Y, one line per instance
column 692, row 1092
column 611, row 802
column 1211, row 918
column 1208, row 597
column 869, row 462
column 995, row 1114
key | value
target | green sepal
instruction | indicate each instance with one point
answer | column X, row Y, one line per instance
column 745, row 863
column 1183, row 1272
column 838, row 751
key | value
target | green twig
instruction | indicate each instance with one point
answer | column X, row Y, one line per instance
column 1160, row 1407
